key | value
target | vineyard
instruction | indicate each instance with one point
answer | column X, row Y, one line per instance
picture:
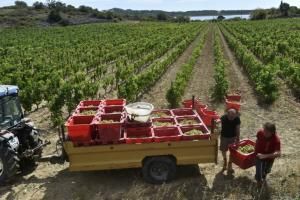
column 61, row 66
column 268, row 49
column 163, row 64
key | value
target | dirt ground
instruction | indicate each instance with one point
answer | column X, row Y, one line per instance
column 206, row 181
column 157, row 94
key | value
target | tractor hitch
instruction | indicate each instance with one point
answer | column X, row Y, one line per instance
column 30, row 152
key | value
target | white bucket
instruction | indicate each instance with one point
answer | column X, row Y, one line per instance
column 139, row 111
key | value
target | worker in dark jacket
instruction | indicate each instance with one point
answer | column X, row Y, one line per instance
column 267, row 148
column 230, row 134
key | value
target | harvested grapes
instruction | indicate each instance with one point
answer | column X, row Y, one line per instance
column 88, row 112
column 194, row 132
column 162, row 123
column 188, row 122
column 246, row 149
column 108, row 121
column 160, row 114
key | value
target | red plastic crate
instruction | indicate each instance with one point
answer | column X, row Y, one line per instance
column 78, row 111
column 244, row 161
column 166, row 113
column 80, row 128
column 138, row 135
column 109, row 132
column 187, row 103
column 183, row 112
column 208, row 115
column 165, row 134
column 203, row 129
column 162, row 120
column 113, row 109
column 89, row 103
column 196, row 120
column 233, row 97
column 135, row 124
column 233, row 104
column 114, row 102
column 199, row 107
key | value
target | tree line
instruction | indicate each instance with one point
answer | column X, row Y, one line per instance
column 283, row 11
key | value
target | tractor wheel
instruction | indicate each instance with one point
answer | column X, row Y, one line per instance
column 8, row 163
column 158, row 170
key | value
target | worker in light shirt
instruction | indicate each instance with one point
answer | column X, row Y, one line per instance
column 267, row 148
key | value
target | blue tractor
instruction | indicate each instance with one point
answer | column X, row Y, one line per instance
column 20, row 144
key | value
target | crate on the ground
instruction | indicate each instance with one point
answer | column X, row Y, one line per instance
column 208, row 116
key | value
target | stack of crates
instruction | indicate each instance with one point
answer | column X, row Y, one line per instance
column 109, row 121
column 97, row 121
column 206, row 115
column 100, row 122
column 169, row 125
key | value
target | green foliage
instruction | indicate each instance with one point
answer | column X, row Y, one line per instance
column 54, row 16
column 284, row 9
column 85, row 9
column 259, row 14
column 221, row 82
column 176, row 91
column 173, row 96
column 220, row 17
column 20, row 4
column 148, row 77
column 263, row 77
column 60, row 66
column 162, row 16
column 275, row 45
column 38, row 5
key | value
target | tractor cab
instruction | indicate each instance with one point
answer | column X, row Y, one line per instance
column 10, row 108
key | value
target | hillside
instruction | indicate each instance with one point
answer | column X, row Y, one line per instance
column 37, row 15
column 29, row 16
column 154, row 13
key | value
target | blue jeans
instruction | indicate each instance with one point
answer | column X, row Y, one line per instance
column 263, row 167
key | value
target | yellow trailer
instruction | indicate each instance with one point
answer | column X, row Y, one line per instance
column 157, row 160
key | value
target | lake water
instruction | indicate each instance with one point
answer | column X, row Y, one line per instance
column 193, row 18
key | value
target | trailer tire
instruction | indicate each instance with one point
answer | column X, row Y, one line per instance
column 9, row 163
column 158, row 170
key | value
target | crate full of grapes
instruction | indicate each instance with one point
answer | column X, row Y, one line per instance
column 243, row 154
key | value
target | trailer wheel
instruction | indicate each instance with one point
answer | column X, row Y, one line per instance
column 158, row 170
column 8, row 163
